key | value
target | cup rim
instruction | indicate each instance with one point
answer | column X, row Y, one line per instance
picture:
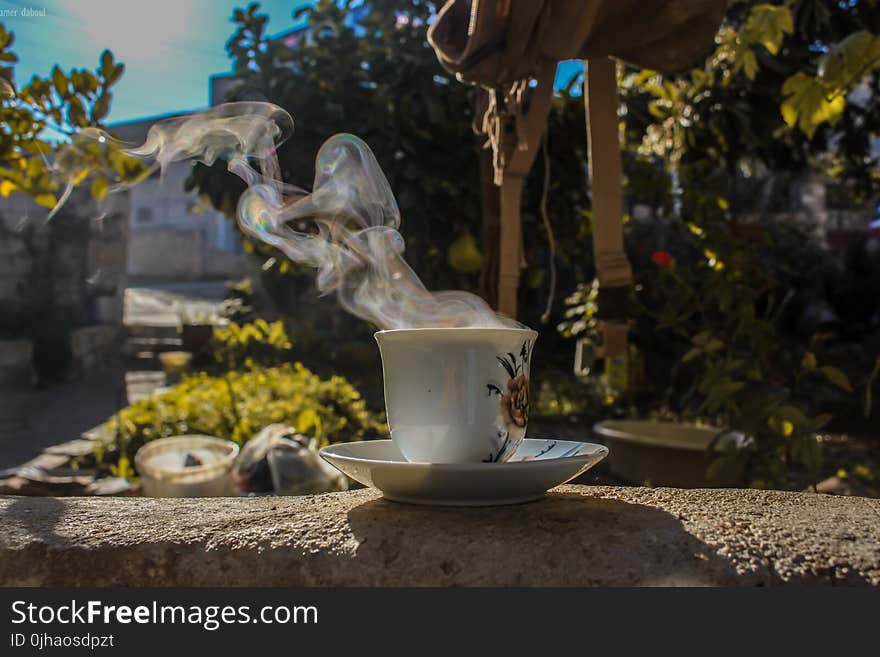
column 454, row 332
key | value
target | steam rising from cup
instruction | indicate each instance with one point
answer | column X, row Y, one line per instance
column 346, row 228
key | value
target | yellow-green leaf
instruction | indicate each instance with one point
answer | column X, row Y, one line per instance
column 691, row 354
column 792, row 414
column 46, row 200
column 768, row 24
column 809, row 360
column 100, row 186
column 7, row 187
column 848, row 61
column 464, row 255
column 836, row 377
column 808, row 104
column 307, row 419
column 750, row 64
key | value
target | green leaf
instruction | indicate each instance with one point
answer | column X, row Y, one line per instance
column 100, row 186
column 789, row 114
column 46, row 200
column 308, row 419
column 115, row 73
column 714, row 345
column 106, row 62
column 724, row 462
column 808, row 103
column 811, row 452
column 846, row 62
column 690, row 355
column 100, row 107
column 702, row 338
column 820, row 421
column 836, row 377
column 59, row 81
column 726, row 388
column 750, row 64
column 793, row 414
column 768, row 24
column 76, row 113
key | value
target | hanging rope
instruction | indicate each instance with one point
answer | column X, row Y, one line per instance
column 503, row 124
column 551, row 240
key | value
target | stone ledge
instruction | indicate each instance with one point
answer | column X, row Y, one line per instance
column 579, row 535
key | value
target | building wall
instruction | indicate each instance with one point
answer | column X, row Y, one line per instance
column 166, row 253
column 70, row 269
column 61, row 283
column 173, row 235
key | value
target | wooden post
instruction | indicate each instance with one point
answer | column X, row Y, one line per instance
column 612, row 267
column 510, row 244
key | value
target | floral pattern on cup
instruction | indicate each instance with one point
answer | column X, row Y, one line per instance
column 513, row 402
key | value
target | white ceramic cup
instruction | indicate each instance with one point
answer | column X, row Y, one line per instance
column 457, row 395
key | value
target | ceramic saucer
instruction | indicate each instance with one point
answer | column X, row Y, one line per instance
column 537, row 466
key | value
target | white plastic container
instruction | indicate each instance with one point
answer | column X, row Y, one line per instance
column 161, row 465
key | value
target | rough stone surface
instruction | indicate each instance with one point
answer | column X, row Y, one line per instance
column 93, row 347
column 16, row 353
column 577, row 536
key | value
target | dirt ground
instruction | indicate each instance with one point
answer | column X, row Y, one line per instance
column 59, row 413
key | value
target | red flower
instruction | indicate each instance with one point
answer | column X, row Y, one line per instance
column 661, row 258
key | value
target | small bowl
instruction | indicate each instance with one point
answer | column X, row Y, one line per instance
column 160, row 464
column 668, row 453
column 174, row 364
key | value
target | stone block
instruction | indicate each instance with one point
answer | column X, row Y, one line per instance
column 9, row 288
column 15, row 266
column 15, row 363
column 576, row 536
column 94, row 347
column 16, row 353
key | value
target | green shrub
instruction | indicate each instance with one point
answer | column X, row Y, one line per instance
column 238, row 346
column 240, row 403
column 711, row 337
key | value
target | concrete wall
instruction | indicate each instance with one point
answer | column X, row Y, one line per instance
column 167, row 253
column 61, row 283
column 173, row 234
column 577, row 536
column 71, row 269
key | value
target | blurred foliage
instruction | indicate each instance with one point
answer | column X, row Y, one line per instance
column 740, row 318
column 711, row 153
column 366, row 68
column 725, row 330
column 774, row 96
column 235, row 346
column 59, row 116
column 237, row 404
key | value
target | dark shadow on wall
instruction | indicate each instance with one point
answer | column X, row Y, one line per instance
column 36, row 517
column 567, row 539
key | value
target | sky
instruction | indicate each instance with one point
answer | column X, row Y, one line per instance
column 170, row 47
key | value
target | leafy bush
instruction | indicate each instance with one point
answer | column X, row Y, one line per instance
column 240, row 403
column 718, row 335
column 236, row 346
